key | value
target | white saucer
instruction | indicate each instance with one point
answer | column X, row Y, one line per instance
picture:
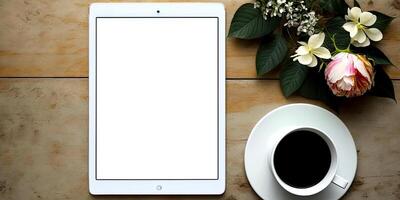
column 280, row 121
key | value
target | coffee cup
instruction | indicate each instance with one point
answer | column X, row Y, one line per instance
column 304, row 162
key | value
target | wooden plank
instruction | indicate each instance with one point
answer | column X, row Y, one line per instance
column 50, row 39
column 47, row 38
column 43, row 38
column 44, row 124
column 43, row 138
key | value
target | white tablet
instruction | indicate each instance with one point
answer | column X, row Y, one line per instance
column 156, row 98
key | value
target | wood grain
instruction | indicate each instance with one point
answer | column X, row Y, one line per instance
column 44, row 121
column 43, row 139
column 50, row 38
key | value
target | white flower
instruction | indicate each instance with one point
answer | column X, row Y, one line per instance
column 306, row 53
column 358, row 27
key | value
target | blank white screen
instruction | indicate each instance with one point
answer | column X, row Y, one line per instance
column 157, row 98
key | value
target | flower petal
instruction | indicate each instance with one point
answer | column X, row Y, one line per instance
column 303, row 43
column 350, row 69
column 346, row 83
column 360, row 36
column 314, row 61
column 302, row 50
column 364, row 66
column 348, row 11
column 355, row 13
column 364, row 44
column 348, row 26
column 305, row 59
column 347, row 17
column 322, row 52
column 316, row 40
column 359, row 65
column 353, row 31
column 374, row 34
column 367, row 18
column 351, row 27
column 335, row 70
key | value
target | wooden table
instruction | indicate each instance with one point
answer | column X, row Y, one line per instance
column 44, row 103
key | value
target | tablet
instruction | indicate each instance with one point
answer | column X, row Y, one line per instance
column 156, row 98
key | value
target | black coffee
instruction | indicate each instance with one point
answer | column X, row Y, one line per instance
column 302, row 159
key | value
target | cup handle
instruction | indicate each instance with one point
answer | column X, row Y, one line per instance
column 339, row 181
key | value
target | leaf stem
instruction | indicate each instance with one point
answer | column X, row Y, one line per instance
column 337, row 49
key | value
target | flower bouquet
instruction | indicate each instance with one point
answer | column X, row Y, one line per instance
column 325, row 47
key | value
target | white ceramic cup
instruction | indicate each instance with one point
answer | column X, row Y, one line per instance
column 330, row 177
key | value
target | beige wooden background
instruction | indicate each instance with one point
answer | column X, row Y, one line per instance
column 44, row 102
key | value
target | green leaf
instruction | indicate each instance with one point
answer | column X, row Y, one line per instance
column 334, row 6
column 271, row 52
column 292, row 77
column 336, row 31
column 315, row 87
column 383, row 86
column 382, row 20
column 248, row 23
column 375, row 54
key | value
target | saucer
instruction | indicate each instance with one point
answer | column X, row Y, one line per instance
column 282, row 120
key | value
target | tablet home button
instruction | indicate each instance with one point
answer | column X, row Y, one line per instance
column 158, row 187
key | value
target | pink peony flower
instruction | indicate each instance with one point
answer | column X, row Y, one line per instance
column 349, row 75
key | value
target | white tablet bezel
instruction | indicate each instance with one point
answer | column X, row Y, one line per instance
column 156, row 187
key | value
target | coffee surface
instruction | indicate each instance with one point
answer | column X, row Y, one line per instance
column 302, row 159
